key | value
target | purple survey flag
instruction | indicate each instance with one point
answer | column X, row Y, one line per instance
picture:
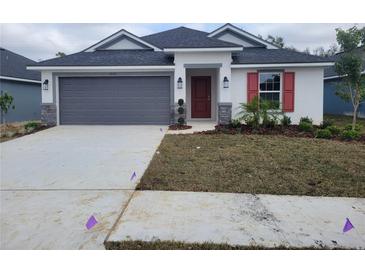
column 91, row 222
column 348, row 226
column 134, row 176
column 161, row 129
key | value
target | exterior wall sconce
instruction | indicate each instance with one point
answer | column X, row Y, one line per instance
column 45, row 84
column 179, row 83
column 225, row 82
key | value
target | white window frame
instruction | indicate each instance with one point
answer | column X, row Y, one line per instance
column 271, row 91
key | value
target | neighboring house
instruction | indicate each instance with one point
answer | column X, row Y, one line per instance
column 126, row 79
column 24, row 85
column 333, row 104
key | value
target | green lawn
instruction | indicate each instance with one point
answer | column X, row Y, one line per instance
column 341, row 121
column 257, row 164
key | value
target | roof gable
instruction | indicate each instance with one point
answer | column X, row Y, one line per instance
column 122, row 40
column 231, row 33
column 230, row 36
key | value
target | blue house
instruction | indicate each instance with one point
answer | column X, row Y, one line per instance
column 332, row 103
column 22, row 84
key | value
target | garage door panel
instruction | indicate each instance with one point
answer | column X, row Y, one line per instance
column 115, row 100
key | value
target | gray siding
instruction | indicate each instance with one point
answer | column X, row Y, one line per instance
column 115, row 100
column 27, row 100
column 333, row 104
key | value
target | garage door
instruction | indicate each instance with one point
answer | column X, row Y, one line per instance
column 114, row 100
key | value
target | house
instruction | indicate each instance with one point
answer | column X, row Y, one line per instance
column 24, row 85
column 126, row 79
column 333, row 104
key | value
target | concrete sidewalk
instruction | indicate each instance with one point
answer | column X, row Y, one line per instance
column 242, row 219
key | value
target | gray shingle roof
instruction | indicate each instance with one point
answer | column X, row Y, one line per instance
column 112, row 58
column 14, row 65
column 179, row 38
column 274, row 56
column 183, row 37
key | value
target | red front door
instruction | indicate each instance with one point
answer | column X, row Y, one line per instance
column 200, row 97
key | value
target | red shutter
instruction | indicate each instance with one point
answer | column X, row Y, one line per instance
column 288, row 92
column 252, row 85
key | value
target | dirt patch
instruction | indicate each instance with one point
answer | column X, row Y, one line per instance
column 12, row 131
column 175, row 245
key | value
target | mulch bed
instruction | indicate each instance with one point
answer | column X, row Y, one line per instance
column 288, row 131
column 179, row 127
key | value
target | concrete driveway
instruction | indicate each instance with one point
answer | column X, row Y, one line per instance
column 54, row 180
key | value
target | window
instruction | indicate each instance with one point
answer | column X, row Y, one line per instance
column 270, row 88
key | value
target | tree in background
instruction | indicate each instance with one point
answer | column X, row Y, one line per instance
column 6, row 102
column 60, row 54
column 349, row 67
column 320, row 51
column 276, row 40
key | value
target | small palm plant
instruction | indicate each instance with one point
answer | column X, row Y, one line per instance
column 259, row 113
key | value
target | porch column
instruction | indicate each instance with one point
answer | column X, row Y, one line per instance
column 48, row 106
column 179, row 93
column 180, row 72
column 224, row 95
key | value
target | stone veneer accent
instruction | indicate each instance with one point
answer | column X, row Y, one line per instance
column 49, row 114
column 175, row 115
column 224, row 113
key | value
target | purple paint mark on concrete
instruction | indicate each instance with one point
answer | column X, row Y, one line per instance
column 348, row 226
column 134, row 176
column 91, row 222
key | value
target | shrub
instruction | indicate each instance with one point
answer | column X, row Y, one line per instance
column 350, row 134
column 180, row 110
column 306, row 120
column 323, row 134
column 181, row 121
column 285, row 121
column 349, row 127
column 269, row 122
column 326, row 124
column 305, row 126
column 180, row 102
column 334, row 130
column 31, row 125
column 235, row 123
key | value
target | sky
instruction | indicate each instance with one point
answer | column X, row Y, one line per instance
column 43, row 41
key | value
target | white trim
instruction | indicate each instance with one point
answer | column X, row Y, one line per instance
column 202, row 49
column 116, row 35
column 282, row 65
column 102, row 68
column 57, row 99
column 20, row 79
column 338, row 76
column 243, row 33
